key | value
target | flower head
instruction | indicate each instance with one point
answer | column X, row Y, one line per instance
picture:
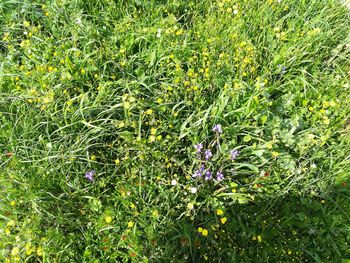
column 217, row 128
column 197, row 173
column 89, row 175
column 234, row 154
column 219, row 176
column 208, row 175
column 207, row 154
column 198, row 147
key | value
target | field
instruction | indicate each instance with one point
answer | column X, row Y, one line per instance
column 174, row 131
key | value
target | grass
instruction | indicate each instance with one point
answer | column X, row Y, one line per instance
column 102, row 103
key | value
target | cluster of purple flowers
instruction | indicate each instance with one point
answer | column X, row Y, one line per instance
column 207, row 154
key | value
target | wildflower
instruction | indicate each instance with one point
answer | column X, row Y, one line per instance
column 15, row 251
column 223, row 220
column 190, row 206
column 198, row 147
column 217, row 128
column 152, row 138
column 108, row 219
column 193, row 190
column 117, row 161
column 26, row 23
column 39, row 251
column 219, row 212
column 208, row 154
column 155, row 213
column 173, row 182
column 275, row 154
column 89, row 175
column 197, row 173
column 130, row 224
column 219, row 176
column 259, row 238
column 153, row 131
column 234, row 154
column 149, row 112
column 208, row 175
column 205, row 232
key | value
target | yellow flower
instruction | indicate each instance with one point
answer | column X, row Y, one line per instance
column 7, row 231
column 223, row 220
column 15, row 251
column 152, row 138
column 190, row 206
column 117, row 161
column 130, row 224
column 39, row 251
column 93, row 157
column 149, row 112
column 275, row 154
column 153, row 131
column 259, row 238
column 108, row 219
column 200, row 230
column 127, row 105
column 155, row 213
column 10, row 223
column 219, row 212
column 26, row 23
column 205, row 232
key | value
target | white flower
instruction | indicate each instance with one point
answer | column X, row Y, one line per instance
column 193, row 190
column 173, row 182
column 158, row 32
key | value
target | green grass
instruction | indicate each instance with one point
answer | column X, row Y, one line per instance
column 127, row 88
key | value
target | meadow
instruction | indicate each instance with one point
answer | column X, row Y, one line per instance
column 174, row 131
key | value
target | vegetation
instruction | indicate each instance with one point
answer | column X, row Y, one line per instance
column 174, row 131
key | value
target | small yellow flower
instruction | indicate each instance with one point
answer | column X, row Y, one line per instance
column 39, row 251
column 130, row 224
column 223, row 220
column 275, row 154
column 117, row 161
column 149, row 112
column 7, row 231
column 10, row 223
column 13, row 203
column 26, row 23
column 127, row 105
column 259, row 238
column 205, row 232
column 93, row 157
column 190, row 206
column 152, row 138
column 15, row 251
column 219, row 212
column 200, row 230
column 323, row 201
column 153, row 131
column 108, row 219
column 155, row 213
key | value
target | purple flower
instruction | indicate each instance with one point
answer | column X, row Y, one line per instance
column 202, row 169
column 234, row 154
column 89, row 175
column 207, row 154
column 197, row 173
column 208, row 175
column 219, row 176
column 198, row 147
column 217, row 128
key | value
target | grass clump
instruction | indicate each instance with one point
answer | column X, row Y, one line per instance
column 174, row 131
